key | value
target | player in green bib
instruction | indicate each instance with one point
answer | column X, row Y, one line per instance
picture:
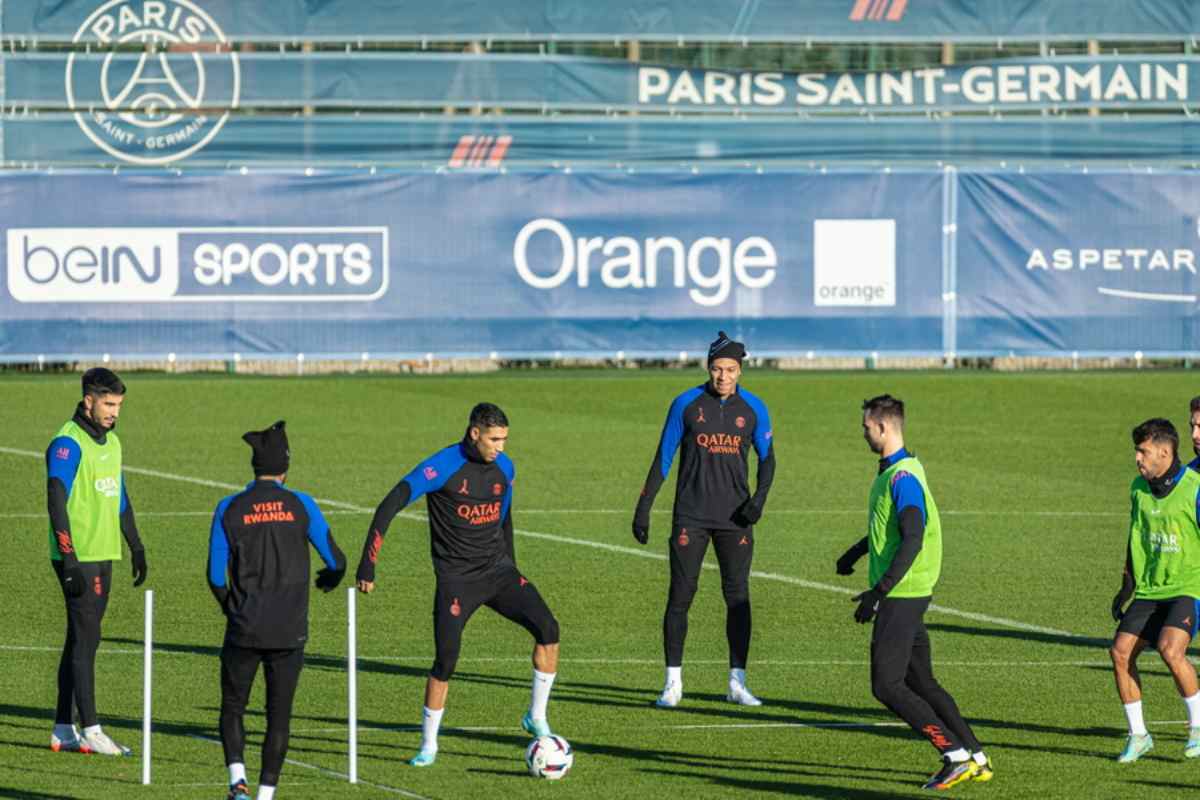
column 89, row 514
column 904, row 542
column 1162, row 575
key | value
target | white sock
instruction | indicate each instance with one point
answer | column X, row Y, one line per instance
column 237, row 773
column 675, row 676
column 542, row 681
column 1133, row 713
column 957, row 756
column 980, row 758
column 266, row 792
column 90, row 729
column 737, row 676
column 64, row 732
column 430, row 722
column 1193, row 707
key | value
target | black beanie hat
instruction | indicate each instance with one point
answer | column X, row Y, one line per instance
column 271, row 453
column 724, row 347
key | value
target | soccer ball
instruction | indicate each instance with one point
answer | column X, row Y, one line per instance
column 549, row 757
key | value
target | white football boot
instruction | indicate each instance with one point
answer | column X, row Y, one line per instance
column 738, row 691
column 672, row 694
column 99, row 742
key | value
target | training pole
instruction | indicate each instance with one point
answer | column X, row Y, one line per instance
column 352, row 674
column 147, row 666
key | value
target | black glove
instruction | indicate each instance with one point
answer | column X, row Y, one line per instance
column 138, row 557
column 749, row 514
column 845, row 564
column 641, row 526
column 366, row 570
column 868, row 604
column 73, row 583
column 328, row 579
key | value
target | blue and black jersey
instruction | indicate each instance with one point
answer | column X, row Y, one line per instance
column 714, row 438
column 1194, row 464
column 258, row 563
column 470, row 512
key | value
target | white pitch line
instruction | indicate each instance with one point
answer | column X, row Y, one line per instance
column 332, row 772
column 612, row 548
column 791, row 725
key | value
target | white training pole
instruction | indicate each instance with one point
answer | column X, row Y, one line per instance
column 147, row 653
column 352, row 671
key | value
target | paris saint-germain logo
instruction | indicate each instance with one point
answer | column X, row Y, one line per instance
column 151, row 83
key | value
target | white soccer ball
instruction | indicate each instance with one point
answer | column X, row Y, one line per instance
column 549, row 757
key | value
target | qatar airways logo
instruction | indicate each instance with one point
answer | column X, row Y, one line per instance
column 547, row 254
column 480, row 513
column 720, row 443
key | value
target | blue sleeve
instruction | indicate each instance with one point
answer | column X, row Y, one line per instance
column 673, row 430
column 510, row 471
column 62, row 461
column 318, row 530
column 907, row 491
column 432, row 473
column 762, row 425
column 218, row 546
column 124, row 496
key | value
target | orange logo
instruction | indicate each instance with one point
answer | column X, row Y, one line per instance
column 745, row 540
column 464, row 489
column 683, row 538
column 98, row 587
column 720, row 443
column 268, row 512
column 497, row 489
column 521, row 580
column 64, row 542
column 891, row 10
column 700, row 416
column 455, row 608
column 376, row 543
column 936, row 736
column 480, row 513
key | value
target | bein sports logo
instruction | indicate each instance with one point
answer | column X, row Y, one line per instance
column 111, row 265
column 163, row 101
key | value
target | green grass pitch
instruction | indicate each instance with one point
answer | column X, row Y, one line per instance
column 1031, row 472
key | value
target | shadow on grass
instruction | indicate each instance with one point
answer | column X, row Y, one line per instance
column 29, row 794
column 1088, row 642
column 803, row 789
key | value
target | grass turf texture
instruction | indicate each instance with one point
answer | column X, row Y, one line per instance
column 995, row 446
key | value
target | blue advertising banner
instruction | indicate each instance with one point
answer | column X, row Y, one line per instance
column 150, row 86
column 1061, row 262
column 583, row 20
column 222, row 140
column 468, row 263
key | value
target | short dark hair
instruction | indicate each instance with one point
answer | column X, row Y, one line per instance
column 99, row 380
column 885, row 406
column 1157, row 430
column 1194, row 406
column 487, row 415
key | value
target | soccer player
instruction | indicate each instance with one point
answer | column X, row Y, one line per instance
column 468, row 487
column 713, row 426
column 904, row 541
column 1194, row 423
column 1162, row 574
column 89, row 512
column 258, row 569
